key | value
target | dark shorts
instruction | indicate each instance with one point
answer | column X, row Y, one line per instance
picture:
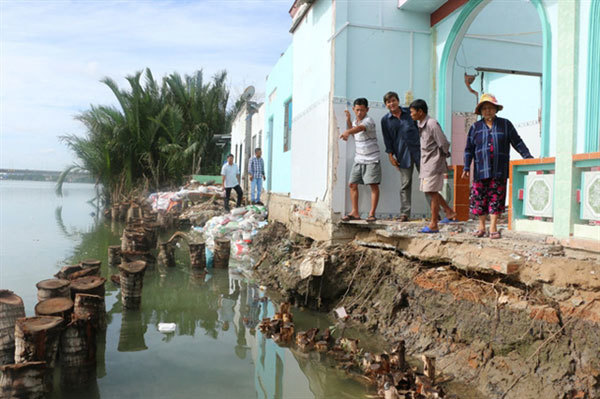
column 488, row 196
column 369, row 173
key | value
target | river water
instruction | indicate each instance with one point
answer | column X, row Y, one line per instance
column 216, row 351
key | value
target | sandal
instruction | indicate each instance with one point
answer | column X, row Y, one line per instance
column 448, row 221
column 349, row 217
column 371, row 219
column 479, row 233
column 427, row 230
column 494, row 235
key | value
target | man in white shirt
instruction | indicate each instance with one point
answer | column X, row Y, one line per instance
column 231, row 175
column 366, row 168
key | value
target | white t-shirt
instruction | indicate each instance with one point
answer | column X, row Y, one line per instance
column 230, row 172
column 367, row 149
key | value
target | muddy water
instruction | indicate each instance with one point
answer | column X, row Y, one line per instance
column 216, row 350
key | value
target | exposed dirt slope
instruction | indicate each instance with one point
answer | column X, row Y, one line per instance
column 507, row 339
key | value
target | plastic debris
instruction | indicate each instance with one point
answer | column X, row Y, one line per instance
column 239, row 226
column 340, row 313
column 163, row 201
column 166, row 328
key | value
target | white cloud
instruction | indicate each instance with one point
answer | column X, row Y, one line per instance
column 53, row 54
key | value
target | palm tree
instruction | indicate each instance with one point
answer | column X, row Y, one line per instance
column 157, row 134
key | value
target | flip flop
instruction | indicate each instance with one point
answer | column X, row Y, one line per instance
column 348, row 218
column 494, row 235
column 371, row 219
column 427, row 230
column 479, row 233
column 448, row 221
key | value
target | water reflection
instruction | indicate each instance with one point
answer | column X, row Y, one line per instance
column 216, row 348
column 131, row 337
column 226, row 308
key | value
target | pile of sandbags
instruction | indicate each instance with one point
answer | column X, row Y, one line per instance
column 164, row 201
column 239, row 226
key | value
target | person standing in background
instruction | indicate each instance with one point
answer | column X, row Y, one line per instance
column 256, row 171
column 402, row 145
column 231, row 174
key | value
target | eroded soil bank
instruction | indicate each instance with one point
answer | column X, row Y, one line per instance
column 507, row 338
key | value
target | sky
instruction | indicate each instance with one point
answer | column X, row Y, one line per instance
column 53, row 55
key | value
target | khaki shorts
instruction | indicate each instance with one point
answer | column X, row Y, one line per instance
column 369, row 173
column 432, row 184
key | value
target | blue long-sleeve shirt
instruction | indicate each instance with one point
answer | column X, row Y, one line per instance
column 401, row 138
column 480, row 140
column 256, row 167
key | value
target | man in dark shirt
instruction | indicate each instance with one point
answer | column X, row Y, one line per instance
column 402, row 145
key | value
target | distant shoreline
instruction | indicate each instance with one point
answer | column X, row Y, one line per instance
column 43, row 175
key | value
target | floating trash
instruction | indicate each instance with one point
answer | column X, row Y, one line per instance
column 167, row 328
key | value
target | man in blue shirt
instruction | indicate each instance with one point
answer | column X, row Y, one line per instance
column 256, row 171
column 402, row 145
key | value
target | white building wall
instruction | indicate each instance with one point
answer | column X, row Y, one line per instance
column 258, row 126
column 238, row 133
column 310, row 104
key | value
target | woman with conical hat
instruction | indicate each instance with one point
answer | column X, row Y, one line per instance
column 488, row 146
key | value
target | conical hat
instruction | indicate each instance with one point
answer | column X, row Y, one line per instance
column 487, row 98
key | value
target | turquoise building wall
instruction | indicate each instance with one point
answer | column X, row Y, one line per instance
column 373, row 50
column 278, row 91
column 355, row 48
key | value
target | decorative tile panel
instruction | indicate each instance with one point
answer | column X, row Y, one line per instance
column 590, row 196
column 539, row 192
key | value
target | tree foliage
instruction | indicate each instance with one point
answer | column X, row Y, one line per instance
column 155, row 136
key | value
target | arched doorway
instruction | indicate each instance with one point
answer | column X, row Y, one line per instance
column 470, row 12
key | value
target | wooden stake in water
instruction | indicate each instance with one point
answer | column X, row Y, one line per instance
column 53, row 288
column 92, row 264
column 77, row 352
column 197, row 255
column 91, row 307
column 11, row 309
column 37, row 338
column 166, row 254
column 92, row 285
column 132, row 281
column 221, row 253
column 24, row 380
column 114, row 255
column 67, row 272
column 114, row 212
column 59, row 307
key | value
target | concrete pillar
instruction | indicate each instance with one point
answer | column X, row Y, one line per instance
column 565, row 203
